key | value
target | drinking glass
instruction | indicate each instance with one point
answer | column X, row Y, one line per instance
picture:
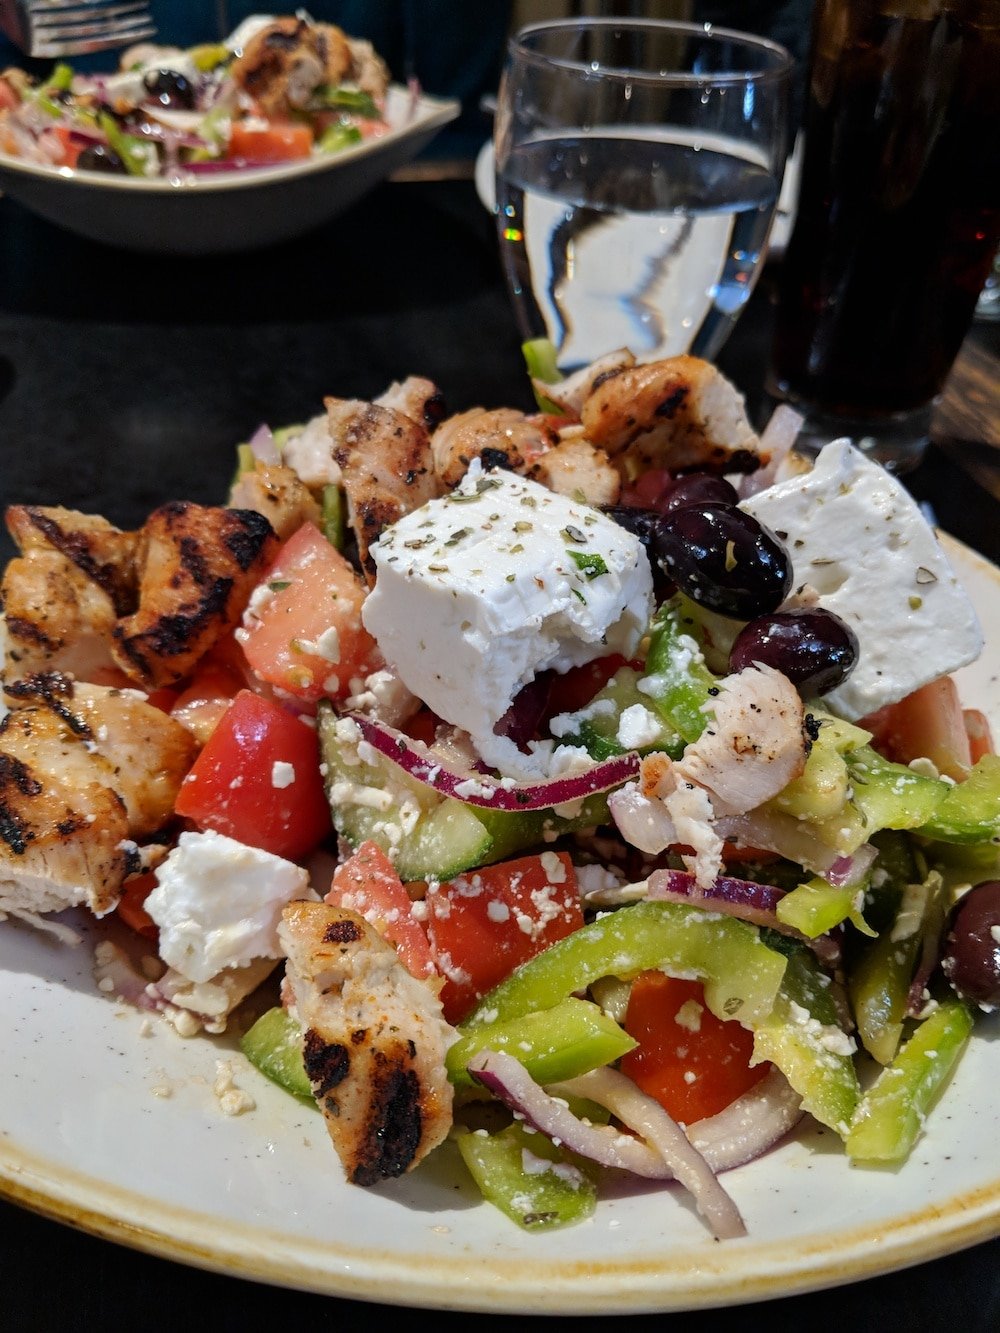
column 638, row 164
column 897, row 220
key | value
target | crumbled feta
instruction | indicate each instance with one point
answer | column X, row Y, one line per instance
column 859, row 539
column 282, row 774
column 478, row 591
column 217, row 903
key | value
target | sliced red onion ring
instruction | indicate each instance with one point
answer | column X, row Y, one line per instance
column 749, row 1126
column 773, row 831
column 776, row 441
column 667, row 1155
column 743, row 898
column 262, row 445
column 483, row 790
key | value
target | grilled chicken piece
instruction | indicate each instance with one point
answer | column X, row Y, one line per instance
column 61, row 597
column 374, row 1042
column 754, row 745
column 368, row 70
column 570, row 394
column 419, row 399
column 755, row 742
column 279, row 494
column 502, row 437
column 283, row 64
column 149, row 753
column 63, row 826
column 197, row 567
column 386, row 466
column 678, row 413
column 574, row 467
column 84, row 771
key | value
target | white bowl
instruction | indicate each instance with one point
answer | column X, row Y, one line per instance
column 239, row 210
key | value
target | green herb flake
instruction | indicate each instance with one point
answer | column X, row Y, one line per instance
column 589, row 563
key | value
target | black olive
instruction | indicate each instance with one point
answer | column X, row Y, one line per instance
column 100, row 157
column 813, row 647
column 170, row 88
column 971, row 955
column 723, row 559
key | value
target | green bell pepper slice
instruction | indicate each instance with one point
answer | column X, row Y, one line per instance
column 273, row 1044
column 741, row 974
column 970, row 812
column 891, row 795
column 509, row 1168
column 817, row 906
column 892, row 1113
column 878, row 981
column 553, row 1044
column 677, row 681
column 803, row 1037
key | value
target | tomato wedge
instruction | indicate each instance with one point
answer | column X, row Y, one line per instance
column 131, row 905
column 367, row 883
column 257, row 780
column 485, row 923
column 304, row 633
column 691, row 1062
column 927, row 724
column 279, row 141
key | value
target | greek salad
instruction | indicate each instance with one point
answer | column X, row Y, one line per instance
column 276, row 90
column 590, row 785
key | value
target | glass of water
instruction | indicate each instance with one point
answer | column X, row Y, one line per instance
column 638, row 165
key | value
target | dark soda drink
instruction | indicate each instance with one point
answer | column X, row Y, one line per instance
column 898, row 216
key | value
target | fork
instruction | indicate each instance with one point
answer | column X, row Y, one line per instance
column 50, row 29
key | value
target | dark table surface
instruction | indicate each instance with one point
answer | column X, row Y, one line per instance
column 127, row 380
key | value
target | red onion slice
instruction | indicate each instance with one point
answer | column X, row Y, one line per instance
column 742, row 898
column 483, row 790
column 262, row 445
column 773, row 831
column 666, row 1155
column 749, row 1126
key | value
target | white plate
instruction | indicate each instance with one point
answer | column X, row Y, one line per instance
column 229, row 211
column 88, row 1135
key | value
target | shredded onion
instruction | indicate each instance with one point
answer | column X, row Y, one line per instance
column 262, row 445
column 667, row 1155
column 773, row 831
column 776, row 441
column 483, row 790
column 749, row 1126
column 743, row 898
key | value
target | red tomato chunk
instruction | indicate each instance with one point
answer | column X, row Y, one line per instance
column 257, row 780
column 367, row 883
column 691, row 1062
column 489, row 921
column 303, row 633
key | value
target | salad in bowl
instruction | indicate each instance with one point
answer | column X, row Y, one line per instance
column 586, row 788
column 277, row 90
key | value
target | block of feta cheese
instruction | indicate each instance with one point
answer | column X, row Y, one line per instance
column 858, row 538
column 481, row 589
column 218, row 903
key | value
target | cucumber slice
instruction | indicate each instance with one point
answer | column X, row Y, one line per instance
column 426, row 835
column 274, row 1046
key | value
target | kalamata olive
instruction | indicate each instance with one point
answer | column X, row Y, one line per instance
column 812, row 647
column 100, row 157
column 642, row 523
column 695, row 488
column 170, row 88
column 971, row 955
column 723, row 559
